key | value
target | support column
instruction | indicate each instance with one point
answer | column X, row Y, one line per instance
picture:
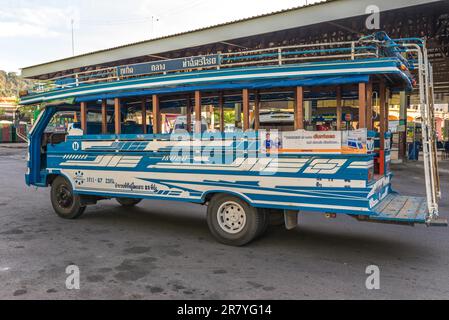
column 308, row 112
column 212, row 117
column 369, row 106
column 198, row 119
column 387, row 108
column 383, row 114
column 257, row 111
column 84, row 117
column 104, row 116
column 339, row 109
column 118, row 116
column 362, row 105
column 221, row 108
column 189, row 115
column 299, row 108
column 144, row 115
column 403, row 125
column 156, row 115
column 245, row 96
column 238, row 114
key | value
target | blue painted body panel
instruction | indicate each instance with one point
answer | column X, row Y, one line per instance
column 140, row 166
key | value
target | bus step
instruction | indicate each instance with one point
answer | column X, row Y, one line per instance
column 401, row 209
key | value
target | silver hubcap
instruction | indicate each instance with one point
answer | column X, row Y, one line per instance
column 231, row 217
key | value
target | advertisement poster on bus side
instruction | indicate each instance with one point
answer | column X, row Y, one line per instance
column 302, row 141
column 357, row 142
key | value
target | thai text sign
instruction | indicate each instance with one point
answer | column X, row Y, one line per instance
column 311, row 142
column 169, row 65
column 316, row 142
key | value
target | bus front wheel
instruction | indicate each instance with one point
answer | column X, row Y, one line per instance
column 234, row 222
column 66, row 204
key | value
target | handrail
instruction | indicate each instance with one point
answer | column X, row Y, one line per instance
column 365, row 47
column 260, row 57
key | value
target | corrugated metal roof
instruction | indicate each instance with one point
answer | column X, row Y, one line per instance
column 190, row 31
column 270, row 22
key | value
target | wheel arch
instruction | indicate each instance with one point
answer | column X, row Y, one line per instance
column 207, row 196
column 52, row 177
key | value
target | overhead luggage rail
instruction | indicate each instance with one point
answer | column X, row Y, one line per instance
column 277, row 56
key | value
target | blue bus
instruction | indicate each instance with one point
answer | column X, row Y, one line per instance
column 119, row 142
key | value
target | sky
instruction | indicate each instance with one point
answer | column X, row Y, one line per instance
column 37, row 31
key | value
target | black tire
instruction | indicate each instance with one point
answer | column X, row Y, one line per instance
column 236, row 227
column 275, row 217
column 265, row 222
column 128, row 202
column 66, row 204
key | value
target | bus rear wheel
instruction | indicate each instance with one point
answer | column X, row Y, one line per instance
column 128, row 202
column 66, row 204
column 234, row 222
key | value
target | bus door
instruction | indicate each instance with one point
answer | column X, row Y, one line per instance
column 36, row 149
column 50, row 129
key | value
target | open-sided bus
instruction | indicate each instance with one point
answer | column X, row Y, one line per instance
column 114, row 145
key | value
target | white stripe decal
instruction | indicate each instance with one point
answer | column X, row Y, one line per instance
column 263, row 181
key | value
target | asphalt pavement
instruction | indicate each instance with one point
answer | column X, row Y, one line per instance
column 163, row 250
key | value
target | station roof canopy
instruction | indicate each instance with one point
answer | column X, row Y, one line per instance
column 326, row 21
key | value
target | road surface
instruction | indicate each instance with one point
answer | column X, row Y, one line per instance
column 163, row 250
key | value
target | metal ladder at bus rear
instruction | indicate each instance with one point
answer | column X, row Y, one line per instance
column 426, row 98
column 432, row 179
column 434, row 133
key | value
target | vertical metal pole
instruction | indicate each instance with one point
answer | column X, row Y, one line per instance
column 189, row 115
column 299, row 108
column 84, row 117
column 221, row 107
column 369, row 106
column 118, row 116
column 144, row 115
column 104, row 117
column 156, row 115
column 257, row 111
column 430, row 125
column 280, row 56
column 383, row 128
column 362, row 105
column 404, row 102
column 431, row 200
column 212, row 117
column 339, row 109
column 245, row 96
column 352, row 50
column 238, row 115
column 432, row 109
column 198, row 118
